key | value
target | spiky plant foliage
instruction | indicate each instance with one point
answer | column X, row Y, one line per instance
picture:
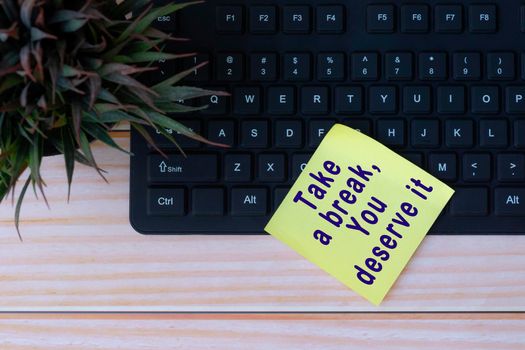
column 69, row 71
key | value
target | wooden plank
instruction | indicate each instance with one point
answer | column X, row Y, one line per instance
column 297, row 331
column 84, row 256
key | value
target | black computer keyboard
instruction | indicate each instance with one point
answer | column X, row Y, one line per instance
column 442, row 84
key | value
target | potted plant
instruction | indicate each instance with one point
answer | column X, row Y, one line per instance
column 72, row 70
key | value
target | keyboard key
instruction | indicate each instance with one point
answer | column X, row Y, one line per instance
column 230, row 67
column 425, row 133
column 299, row 162
column 247, row 100
column 417, row 100
column 485, row 99
column 207, row 201
column 249, row 201
column 164, row 143
column 281, row 100
column 314, row 100
column 414, row 18
column 166, row 202
column 467, row 66
column 522, row 18
column 380, row 19
column 451, row 100
column 398, row 66
column 501, row 66
column 391, row 132
column 263, row 19
column 448, row 18
column 330, row 19
column 279, row 196
column 459, row 133
column 493, row 133
column 331, row 66
column 443, row 166
column 288, row 133
column 519, row 134
column 349, row 100
column 482, row 18
column 511, row 167
column 216, row 104
column 222, row 131
column 318, row 130
column 413, row 157
column 254, row 134
column 365, row 66
column 470, row 201
column 383, row 100
column 263, row 67
column 515, row 102
column 433, row 66
column 296, row 20
column 178, row 168
column 477, row 167
column 297, row 67
column 509, row 201
column 229, row 19
column 200, row 74
column 238, row 167
column 272, row 167
column 361, row 125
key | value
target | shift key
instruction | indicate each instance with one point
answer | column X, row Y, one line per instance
column 177, row 168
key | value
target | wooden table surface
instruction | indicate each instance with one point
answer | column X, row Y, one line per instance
column 85, row 257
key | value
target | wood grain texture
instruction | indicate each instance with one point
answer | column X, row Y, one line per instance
column 350, row 331
column 84, row 256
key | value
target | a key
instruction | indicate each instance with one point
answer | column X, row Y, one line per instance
column 425, row 133
column 509, row 201
column 414, row 18
column 247, row 100
column 288, row 134
column 383, row 100
column 249, row 201
column 467, row 66
column 391, row 132
column 511, row 167
column 443, row 166
column 272, row 167
column 263, row 67
column 493, row 133
column 281, row 100
column 398, row 66
column 314, row 100
column 166, row 201
column 238, row 167
column 177, row 168
column 482, row 18
column 451, row 100
column 331, row 66
column 485, row 99
column 330, row 19
column 433, row 66
column 459, row 133
column 348, row 100
column 501, row 66
column 296, row 19
column 230, row 67
column 365, row 66
column 318, row 130
column 417, row 100
column 263, row 19
column 229, row 19
column 297, row 67
column 477, row 167
column 207, row 201
column 380, row 19
column 448, row 18
column 222, row 131
column 254, row 134
column 469, row 201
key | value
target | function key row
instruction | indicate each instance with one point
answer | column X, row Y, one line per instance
column 382, row 18
column 361, row 66
column 329, row 19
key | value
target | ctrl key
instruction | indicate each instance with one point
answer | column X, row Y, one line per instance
column 249, row 201
column 166, row 202
column 510, row 201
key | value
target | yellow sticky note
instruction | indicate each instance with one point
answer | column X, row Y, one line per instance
column 359, row 211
